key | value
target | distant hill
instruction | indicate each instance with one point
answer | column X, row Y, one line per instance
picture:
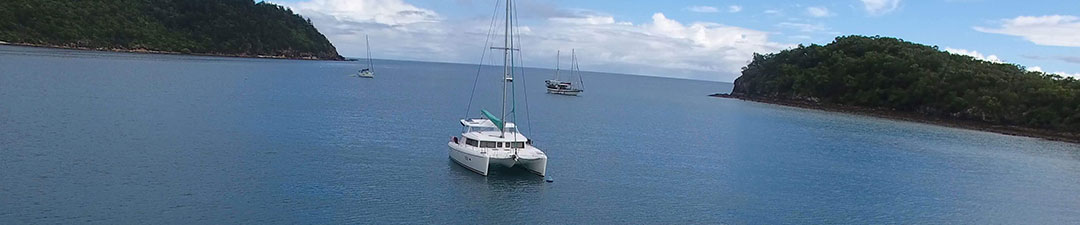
column 215, row 27
column 889, row 74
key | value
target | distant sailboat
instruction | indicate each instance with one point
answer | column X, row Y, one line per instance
column 491, row 140
column 556, row 86
column 368, row 72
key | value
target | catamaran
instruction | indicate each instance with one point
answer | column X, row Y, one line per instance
column 489, row 140
column 556, row 86
column 368, row 72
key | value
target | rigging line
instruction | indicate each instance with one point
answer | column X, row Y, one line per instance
column 524, row 81
column 487, row 40
column 580, row 80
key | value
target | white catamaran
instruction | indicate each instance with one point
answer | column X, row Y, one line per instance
column 368, row 72
column 490, row 141
column 556, row 86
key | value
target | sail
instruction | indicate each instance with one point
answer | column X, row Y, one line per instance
column 498, row 122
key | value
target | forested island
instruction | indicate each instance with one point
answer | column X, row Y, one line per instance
column 893, row 78
column 205, row 27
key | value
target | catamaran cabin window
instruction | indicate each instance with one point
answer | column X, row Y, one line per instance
column 519, row 144
column 487, row 144
column 470, row 142
column 498, row 144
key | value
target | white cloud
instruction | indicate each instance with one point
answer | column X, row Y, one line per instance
column 661, row 46
column 387, row 12
column 774, row 12
column 975, row 54
column 818, row 11
column 703, row 9
column 734, row 8
column 880, row 7
column 1063, row 74
column 802, row 26
column 1053, row 30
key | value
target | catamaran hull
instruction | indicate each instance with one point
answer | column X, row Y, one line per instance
column 537, row 166
column 476, row 163
column 481, row 163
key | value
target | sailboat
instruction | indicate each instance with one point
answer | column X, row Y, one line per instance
column 490, row 140
column 556, row 86
column 368, row 72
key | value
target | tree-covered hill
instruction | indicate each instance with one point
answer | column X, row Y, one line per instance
column 892, row 74
column 222, row 27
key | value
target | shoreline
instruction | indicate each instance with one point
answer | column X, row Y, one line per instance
column 914, row 117
column 147, row 51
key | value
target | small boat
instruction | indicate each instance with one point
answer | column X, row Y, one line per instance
column 488, row 140
column 556, row 86
column 370, row 71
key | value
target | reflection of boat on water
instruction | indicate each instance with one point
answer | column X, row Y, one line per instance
column 370, row 71
column 556, row 86
column 489, row 140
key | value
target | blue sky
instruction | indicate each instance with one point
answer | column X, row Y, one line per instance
column 707, row 40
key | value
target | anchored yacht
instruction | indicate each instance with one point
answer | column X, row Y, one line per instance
column 559, row 87
column 483, row 144
column 368, row 72
column 489, row 140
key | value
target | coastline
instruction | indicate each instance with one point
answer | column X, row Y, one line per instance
column 914, row 117
column 147, row 51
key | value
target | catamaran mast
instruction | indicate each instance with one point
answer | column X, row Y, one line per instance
column 507, row 45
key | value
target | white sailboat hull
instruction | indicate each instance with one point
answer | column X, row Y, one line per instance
column 530, row 159
column 466, row 158
column 564, row 92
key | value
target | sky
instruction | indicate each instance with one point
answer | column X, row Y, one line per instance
column 697, row 39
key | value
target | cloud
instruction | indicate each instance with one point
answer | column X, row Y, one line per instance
column 818, row 11
column 660, row 46
column 703, row 9
column 710, row 9
column 774, row 12
column 698, row 50
column 975, row 54
column 880, row 7
column 1064, row 74
column 734, row 9
column 1053, row 30
column 385, row 12
column 802, row 26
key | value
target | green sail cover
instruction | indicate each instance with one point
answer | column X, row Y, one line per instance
column 496, row 120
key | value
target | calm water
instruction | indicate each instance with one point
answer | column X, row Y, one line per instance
column 127, row 138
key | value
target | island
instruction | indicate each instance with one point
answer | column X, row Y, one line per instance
column 893, row 78
column 241, row 28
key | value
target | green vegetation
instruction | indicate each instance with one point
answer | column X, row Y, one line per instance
column 892, row 74
column 224, row 27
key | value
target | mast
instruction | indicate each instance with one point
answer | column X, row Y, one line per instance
column 578, row 70
column 367, row 47
column 573, row 64
column 507, row 45
column 558, row 56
